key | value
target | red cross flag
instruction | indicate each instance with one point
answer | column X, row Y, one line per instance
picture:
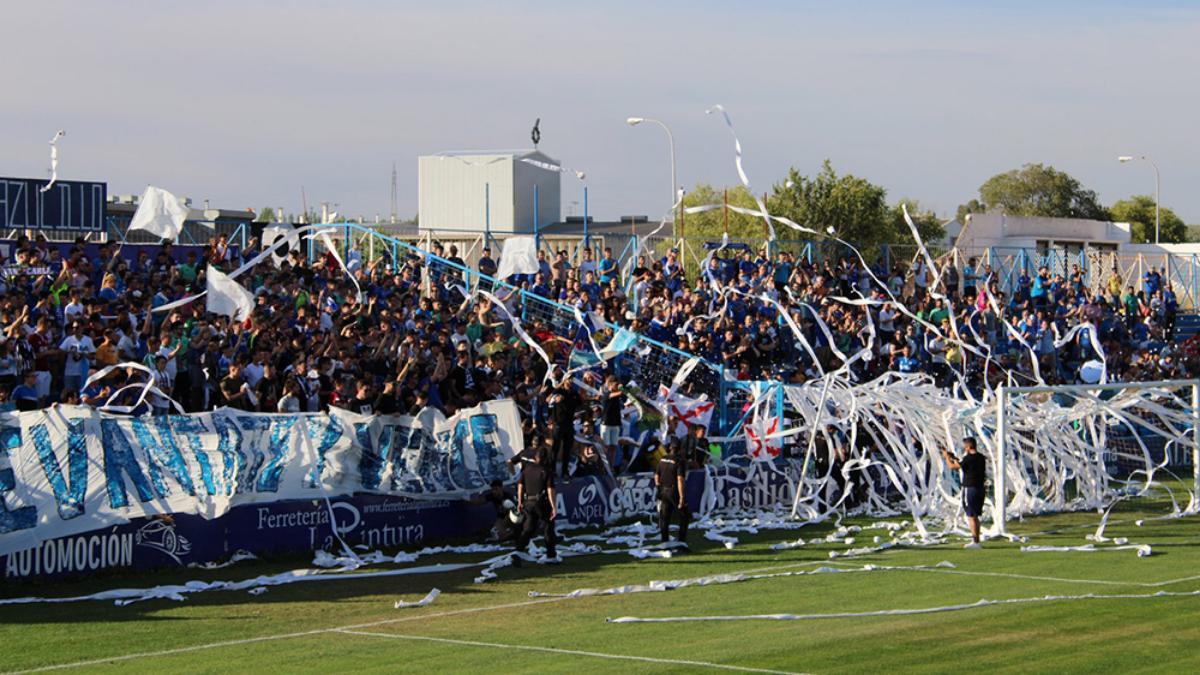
column 759, row 444
column 685, row 410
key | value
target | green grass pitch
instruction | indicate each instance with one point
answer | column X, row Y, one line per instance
column 351, row 625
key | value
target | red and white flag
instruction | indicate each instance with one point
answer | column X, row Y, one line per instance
column 761, row 443
column 685, row 410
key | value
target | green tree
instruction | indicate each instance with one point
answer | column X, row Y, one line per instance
column 1038, row 190
column 973, row 206
column 711, row 224
column 266, row 215
column 855, row 208
column 1138, row 211
column 929, row 226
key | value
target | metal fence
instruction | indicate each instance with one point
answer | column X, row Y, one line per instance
column 648, row 363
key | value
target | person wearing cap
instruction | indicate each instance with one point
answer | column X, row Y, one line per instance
column 669, row 477
column 537, row 500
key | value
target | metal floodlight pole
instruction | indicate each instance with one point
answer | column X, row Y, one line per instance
column 585, row 216
column 634, row 121
column 1157, row 191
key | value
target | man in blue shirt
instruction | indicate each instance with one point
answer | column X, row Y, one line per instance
column 1151, row 282
column 25, row 395
column 1040, row 285
column 904, row 362
column 608, row 267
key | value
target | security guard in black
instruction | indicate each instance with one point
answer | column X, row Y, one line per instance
column 669, row 478
column 535, row 492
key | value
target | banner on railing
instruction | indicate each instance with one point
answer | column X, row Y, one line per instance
column 71, row 469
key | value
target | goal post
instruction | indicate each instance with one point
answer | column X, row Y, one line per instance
column 1183, row 423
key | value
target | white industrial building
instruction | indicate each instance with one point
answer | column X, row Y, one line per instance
column 1070, row 235
column 492, row 190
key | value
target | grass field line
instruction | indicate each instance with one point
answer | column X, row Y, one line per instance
column 279, row 636
column 1035, row 577
column 319, row 631
column 569, row 652
column 983, row 602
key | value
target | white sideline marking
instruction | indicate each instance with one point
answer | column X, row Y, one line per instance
column 1033, row 577
column 282, row 636
column 572, row 652
column 472, row 610
column 319, row 631
column 904, row 612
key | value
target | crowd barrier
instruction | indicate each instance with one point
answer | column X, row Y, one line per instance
column 68, row 470
column 374, row 521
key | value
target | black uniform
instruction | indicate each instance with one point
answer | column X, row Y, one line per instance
column 505, row 529
column 695, row 451
column 564, row 426
column 537, row 481
column 670, row 469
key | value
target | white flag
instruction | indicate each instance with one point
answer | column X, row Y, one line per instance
column 271, row 233
column 159, row 213
column 519, row 257
column 227, row 297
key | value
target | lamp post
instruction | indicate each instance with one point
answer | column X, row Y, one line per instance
column 1157, row 183
column 634, row 121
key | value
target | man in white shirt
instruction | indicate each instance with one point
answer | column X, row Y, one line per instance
column 74, row 308
column 80, row 349
column 253, row 372
column 168, row 352
column 164, row 382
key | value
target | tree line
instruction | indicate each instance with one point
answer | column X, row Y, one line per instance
column 859, row 211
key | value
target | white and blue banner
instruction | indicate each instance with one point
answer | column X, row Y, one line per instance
column 69, row 470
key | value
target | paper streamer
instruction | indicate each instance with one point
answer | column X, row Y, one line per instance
column 721, row 579
column 428, row 599
column 1143, row 550
column 908, row 612
column 126, row 596
column 737, row 149
column 554, row 167
column 53, row 161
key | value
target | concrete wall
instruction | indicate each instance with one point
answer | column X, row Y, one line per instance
column 995, row 229
column 451, row 192
column 549, row 205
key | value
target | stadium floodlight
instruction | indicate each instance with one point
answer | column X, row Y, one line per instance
column 634, row 121
column 1157, row 184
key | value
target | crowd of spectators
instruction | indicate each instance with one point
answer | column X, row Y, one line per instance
column 412, row 340
column 730, row 314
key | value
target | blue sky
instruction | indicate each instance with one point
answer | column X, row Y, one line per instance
column 244, row 102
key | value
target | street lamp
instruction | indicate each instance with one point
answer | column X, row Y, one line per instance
column 1157, row 182
column 634, row 121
